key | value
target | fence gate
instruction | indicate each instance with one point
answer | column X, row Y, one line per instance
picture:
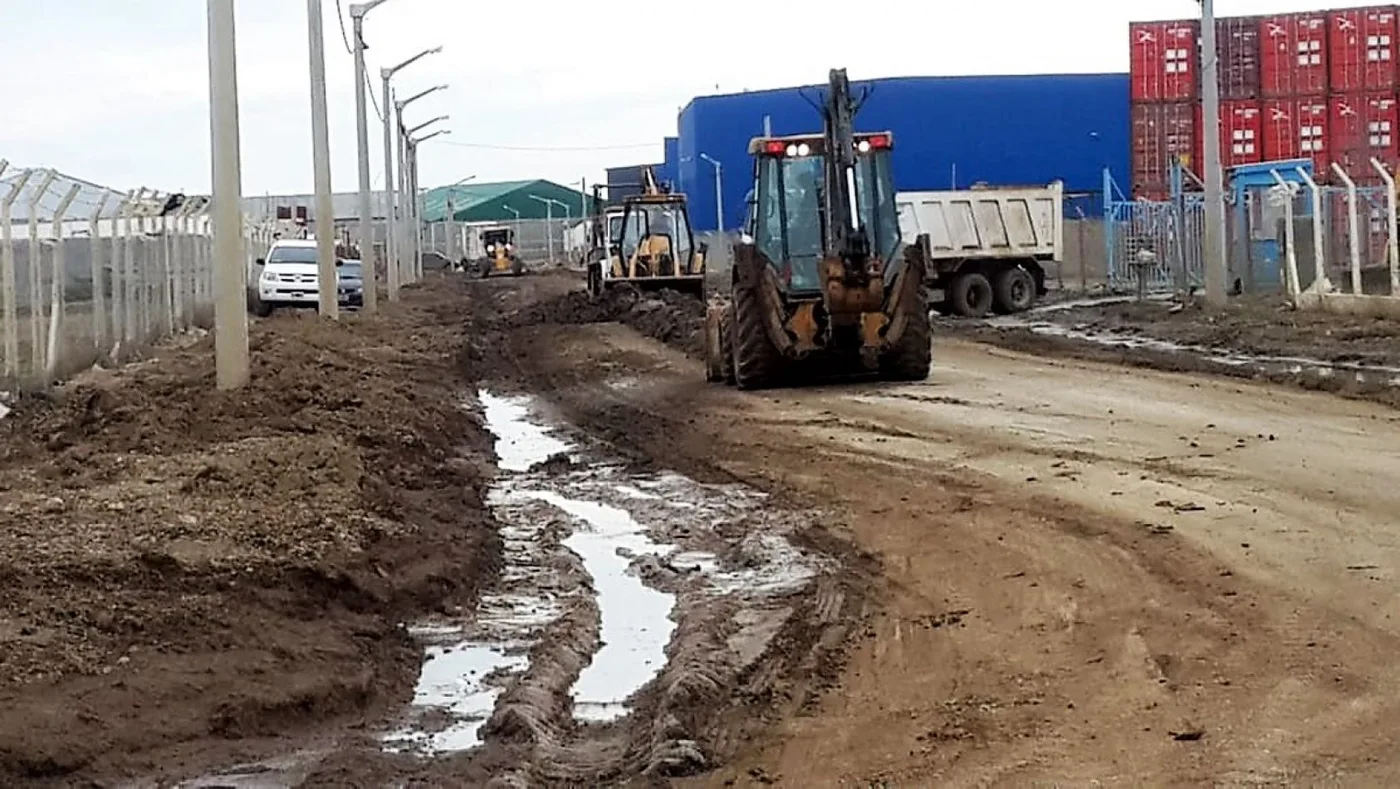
column 1171, row 230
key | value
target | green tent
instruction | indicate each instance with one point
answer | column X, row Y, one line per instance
column 494, row 202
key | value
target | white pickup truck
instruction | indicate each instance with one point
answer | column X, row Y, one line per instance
column 986, row 247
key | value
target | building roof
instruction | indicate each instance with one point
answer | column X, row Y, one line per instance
column 346, row 205
column 499, row 201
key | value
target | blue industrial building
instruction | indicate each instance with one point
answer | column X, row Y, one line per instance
column 949, row 132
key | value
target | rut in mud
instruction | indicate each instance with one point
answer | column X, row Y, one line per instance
column 632, row 607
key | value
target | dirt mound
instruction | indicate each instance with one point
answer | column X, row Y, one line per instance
column 677, row 319
column 1254, row 326
column 183, row 567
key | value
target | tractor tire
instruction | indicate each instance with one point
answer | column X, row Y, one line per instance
column 517, row 268
column 911, row 358
column 758, row 364
column 719, row 356
column 971, row 295
column 484, row 269
column 1013, row 290
column 595, row 280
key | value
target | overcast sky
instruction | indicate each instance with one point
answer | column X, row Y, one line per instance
column 116, row 91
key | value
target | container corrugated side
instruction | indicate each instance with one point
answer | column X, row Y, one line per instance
column 1293, row 55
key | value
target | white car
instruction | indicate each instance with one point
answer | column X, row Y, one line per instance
column 289, row 277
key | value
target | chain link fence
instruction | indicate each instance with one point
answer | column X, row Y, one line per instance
column 538, row 242
column 89, row 274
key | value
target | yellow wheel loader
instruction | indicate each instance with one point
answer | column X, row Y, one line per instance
column 501, row 256
column 648, row 244
column 819, row 287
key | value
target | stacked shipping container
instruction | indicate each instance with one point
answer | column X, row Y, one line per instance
column 1320, row 85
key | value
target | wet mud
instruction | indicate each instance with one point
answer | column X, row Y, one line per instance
column 1254, row 339
column 189, row 575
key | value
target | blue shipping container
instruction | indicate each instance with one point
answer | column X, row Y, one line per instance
column 949, row 132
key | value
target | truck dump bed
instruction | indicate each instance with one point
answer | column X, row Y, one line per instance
column 985, row 223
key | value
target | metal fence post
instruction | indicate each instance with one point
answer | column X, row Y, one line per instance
column 95, row 250
column 60, row 281
column 1320, row 281
column 8, row 296
column 36, row 275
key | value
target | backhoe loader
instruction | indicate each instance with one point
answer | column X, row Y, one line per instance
column 649, row 244
column 819, row 288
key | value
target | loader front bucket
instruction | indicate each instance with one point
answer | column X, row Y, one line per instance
column 693, row 285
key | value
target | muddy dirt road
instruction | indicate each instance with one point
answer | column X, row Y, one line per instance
column 1091, row 573
column 1024, row 571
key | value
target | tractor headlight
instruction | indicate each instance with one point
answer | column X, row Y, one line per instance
column 490, row 247
column 863, row 146
column 803, row 149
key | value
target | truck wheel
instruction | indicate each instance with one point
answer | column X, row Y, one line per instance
column 970, row 295
column 758, row 364
column 1014, row 290
column 911, row 357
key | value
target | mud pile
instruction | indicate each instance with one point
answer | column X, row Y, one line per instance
column 676, row 319
column 182, row 568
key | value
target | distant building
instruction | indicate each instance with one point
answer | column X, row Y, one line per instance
column 949, row 132
column 503, row 201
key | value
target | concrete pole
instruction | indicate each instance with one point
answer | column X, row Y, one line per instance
column 371, row 305
column 328, row 301
column 230, row 302
column 1216, row 261
column 391, row 255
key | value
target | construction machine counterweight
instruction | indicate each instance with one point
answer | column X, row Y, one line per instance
column 820, row 287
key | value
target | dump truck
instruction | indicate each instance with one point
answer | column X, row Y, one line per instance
column 986, row 248
column 821, row 285
column 649, row 244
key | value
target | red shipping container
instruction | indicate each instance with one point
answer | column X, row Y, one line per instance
column 1161, row 133
column 1164, row 60
column 1237, row 47
column 1297, row 129
column 1363, row 127
column 1362, row 49
column 1293, row 55
column 1241, row 133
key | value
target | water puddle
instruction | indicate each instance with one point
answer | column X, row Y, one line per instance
column 1290, row 365
column 623, row 531
column 636, row 624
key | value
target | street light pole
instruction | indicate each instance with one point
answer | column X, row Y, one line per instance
column 719, row 193
column 405, row 198
column 413, row 144
column 328, row 289
column 1217, row 264
column 450, row 220
column 416, row 268
column 230, row 303
column 357, row 18
column 548, row 223
column 391, row 253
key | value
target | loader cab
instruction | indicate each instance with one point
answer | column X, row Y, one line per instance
column 498, row 240
column 655, row 234
column 788, row 222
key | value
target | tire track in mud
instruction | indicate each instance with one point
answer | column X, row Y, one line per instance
column 749, row 607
